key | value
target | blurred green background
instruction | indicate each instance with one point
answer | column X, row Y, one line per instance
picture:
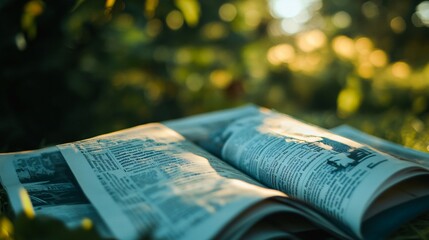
column 72, row 69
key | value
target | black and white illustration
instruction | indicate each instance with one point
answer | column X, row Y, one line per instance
column 344, row 156
column 48, row 180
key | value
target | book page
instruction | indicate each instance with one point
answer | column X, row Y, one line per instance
column 150, row 181
column 336, row 175
column 44, row 178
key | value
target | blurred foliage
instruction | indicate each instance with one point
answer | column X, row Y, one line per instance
column 395, row 125
column 73, row 69
column 41, row 227
column 416, row 229
column 24, row 227
column 28, row 226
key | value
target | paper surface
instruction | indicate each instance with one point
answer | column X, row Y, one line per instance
column 204, row 129
column 50, row 185
column 336, row 175
column 393, row 149
column 152, row 181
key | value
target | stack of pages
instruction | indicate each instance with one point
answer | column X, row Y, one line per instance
column 243, row 173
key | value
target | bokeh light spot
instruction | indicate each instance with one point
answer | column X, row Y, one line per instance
column 401, row 70
column 365, row 70
column 252, row 18
column 398, row 25
column 282, row 53
column 175, row 20
column 227, row 12
column 370, row 9
column 6, row 228
column 190, row 10
column 33, row 7
column 290, row 26
column 312, row 63
column 286, row 9
column 86, row 224
column 220, row 78
column 154, row 27
column 194, row 82
column 214, row 30
column 348, row 101
column 422, row 12
column 343, row 46
column 294, row 15
column 342, row 19
column 363, row 45
column 310, row 41
column 150, row 7
column 378, row 58
column 183, row 56
column 20, row 41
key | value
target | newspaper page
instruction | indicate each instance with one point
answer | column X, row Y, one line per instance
column 393, row 149
column 149, row 180
column 202, row 129
column 44, row 177
column 336, row 175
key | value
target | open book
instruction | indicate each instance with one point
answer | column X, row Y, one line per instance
column 246, row 173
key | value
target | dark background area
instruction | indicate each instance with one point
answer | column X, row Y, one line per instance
column 70, row 70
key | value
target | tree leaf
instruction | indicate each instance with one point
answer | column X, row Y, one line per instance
column 109, row 4
column 190, row 9
column 77, row 4
column 150, row 7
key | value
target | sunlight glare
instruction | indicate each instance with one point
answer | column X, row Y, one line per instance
column 294, row 14
column 286, row 8
column 422, row 12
